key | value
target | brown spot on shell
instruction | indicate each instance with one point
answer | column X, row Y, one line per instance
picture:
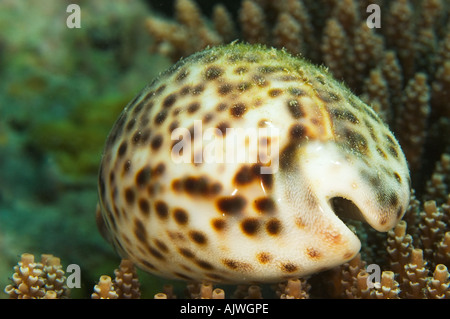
column 238, row 110
column 218, row 224
column 264, row 257
column 182, row 276
column 222, row 127
column 345, row 115
column 240, row 70
column 139, row 231
column 275, row 92
column 129, row 195
column 161, row 209
column 250, row 226
column 213, row 72
column 224, row 89
column 182, row 75
column 143, row 176
column 244, row 176
column 161, row 246
column 313, row 253
column 197, row 186
column 393, row 151
column 397, row 177
column 160, row 89
column 170, row 100
column 198, row 237
column 193, row 107
column 157, row 142
column 273, row 226
column 126, row 166
column 144, row 206
column 197, row 90
column 297, row 131
column 231, row 204
column 295, row 109
column 186, row 252
column 122, row 149
column 204, row 264
column 289, row 267
column 180, row 216
column 264, row 205
column 237, row 265
column 221, row 107
column 160, row 117
column 381, row 153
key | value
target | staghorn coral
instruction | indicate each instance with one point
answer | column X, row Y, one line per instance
column 104, row 289
column 35, row 280
column 124, row 286
column 126, row 281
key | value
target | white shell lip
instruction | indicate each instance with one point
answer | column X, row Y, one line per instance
column 333, row 175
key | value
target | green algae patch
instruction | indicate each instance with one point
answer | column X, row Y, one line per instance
column 75, row 142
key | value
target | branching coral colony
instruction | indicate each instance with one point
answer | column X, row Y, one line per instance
column 402, row 70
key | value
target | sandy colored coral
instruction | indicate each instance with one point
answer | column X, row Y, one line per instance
column 104, row 289
column 36, row 280
column 126, row 281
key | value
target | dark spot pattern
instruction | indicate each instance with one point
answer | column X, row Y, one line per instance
column 143, row 176
column 225, row 89
column 139, row 231
column 295, row 109
column 197, row 186
column 238, row 110
column 170, row 100
column 344, row 115
column 313, row 253
column 180, row 216
column 129, row 196
column 156, row 142
column 198, row 237
column 275, row 92
column 213, row 72
column 144, row 206
column 236, row 265
column 273, row 226
column 161, row 209
column 250, row 226
column 289, row 267
column 297, row 131
column 231, row 204
column 265, row 205
column 186, row 252
column 122, row 149
column 218, row 224
column 264, row 257
column 193, row 107
column 160, row 117
column 244, row 176
column 204, row 264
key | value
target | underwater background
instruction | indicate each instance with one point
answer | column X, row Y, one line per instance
column 61, row 91
column 62, row 88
